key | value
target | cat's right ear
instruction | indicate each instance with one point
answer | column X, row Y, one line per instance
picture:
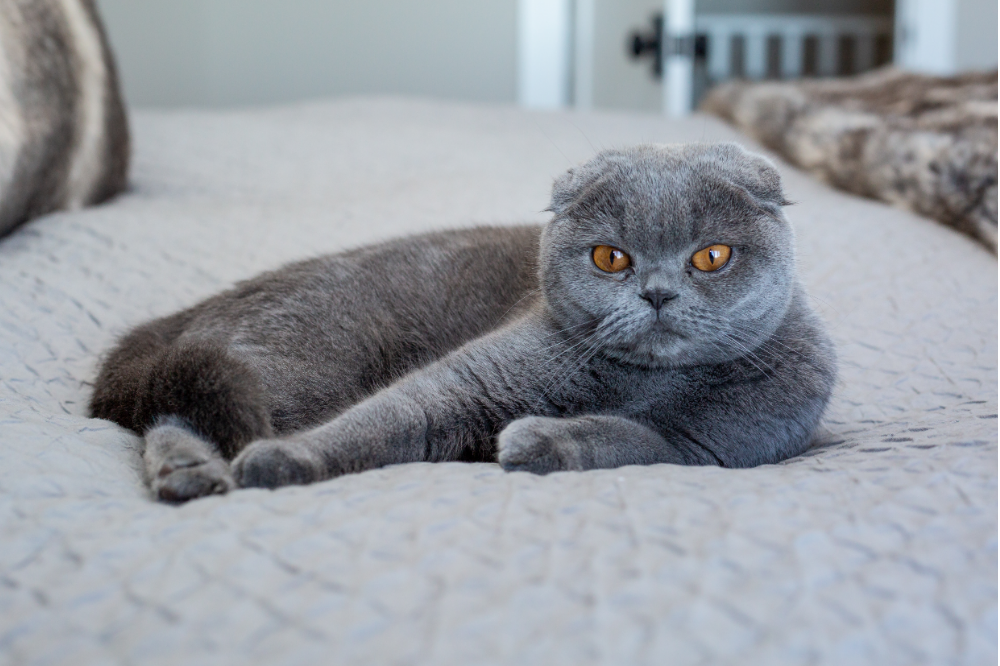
column 574, row 185
column 565, row 189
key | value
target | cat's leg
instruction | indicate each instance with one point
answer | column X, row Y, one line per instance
column 450, row 410
column 543, row 444
column 389, row 428
column 181, row 465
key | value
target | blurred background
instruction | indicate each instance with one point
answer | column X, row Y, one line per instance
column 652, row 55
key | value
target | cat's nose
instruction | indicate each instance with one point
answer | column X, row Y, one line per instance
column 658, row 297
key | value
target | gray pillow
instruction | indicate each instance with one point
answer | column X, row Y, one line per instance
column 64, row 139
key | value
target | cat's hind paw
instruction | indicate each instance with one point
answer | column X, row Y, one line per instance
column 276, row 463
column 181, row 466
column 182, row 477
column 532, row 444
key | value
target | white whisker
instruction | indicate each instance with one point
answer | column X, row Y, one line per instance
column 574, row 362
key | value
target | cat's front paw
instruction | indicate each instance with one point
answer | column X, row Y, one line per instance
column 276, row 463
column 534, row 444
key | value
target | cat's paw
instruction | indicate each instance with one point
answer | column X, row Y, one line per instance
column 276, row 463
column 183, row 476
column 534, row 444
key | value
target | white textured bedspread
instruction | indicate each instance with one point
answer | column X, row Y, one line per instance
column 877, row 547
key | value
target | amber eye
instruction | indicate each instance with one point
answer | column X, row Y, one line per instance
column 712, row 258
column 611, row 259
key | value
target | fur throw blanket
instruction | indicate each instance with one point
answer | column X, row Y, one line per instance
column 924, row 143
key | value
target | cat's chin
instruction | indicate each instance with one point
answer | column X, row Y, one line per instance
column 665, row 351
column 661, row 347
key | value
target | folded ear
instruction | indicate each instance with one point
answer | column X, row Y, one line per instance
column 565, row 191
column 569, row 187
column 754, row 173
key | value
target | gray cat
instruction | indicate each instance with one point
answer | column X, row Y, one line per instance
column 64, row 139
column 656, row 318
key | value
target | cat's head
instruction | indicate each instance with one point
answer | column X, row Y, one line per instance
column 669, row 255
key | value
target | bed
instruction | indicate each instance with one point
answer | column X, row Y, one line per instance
column 877, row 546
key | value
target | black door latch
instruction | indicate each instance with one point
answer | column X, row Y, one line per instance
column 650, row 43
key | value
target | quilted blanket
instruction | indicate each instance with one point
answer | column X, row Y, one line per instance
column 879, row 546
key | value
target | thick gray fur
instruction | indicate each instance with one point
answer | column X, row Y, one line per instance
column 64, row 139
column 504, row 344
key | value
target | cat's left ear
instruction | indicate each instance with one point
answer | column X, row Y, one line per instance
column 760, row 177
column 766, row 183
column 754, row 173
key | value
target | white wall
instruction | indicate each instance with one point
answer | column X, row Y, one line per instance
column 234, row 52
column 544, row 53
column 946, row 36
column 620, row 82
column 976, row 21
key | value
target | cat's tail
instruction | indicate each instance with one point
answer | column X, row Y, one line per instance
column 151, row 375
